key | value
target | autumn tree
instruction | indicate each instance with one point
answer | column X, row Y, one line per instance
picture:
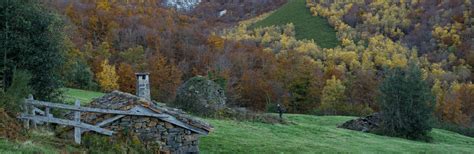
column 466, row 96
column 165, row 77
column 452, row 110
column 107, row 77
column 253, row 91
column 333, row 98
column 126, row 79
column 135, row 57
column 301, row 77
column 362, row 91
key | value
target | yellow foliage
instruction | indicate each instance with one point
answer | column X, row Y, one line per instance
column 107, row 78
column 333, row 96
column 216, row 41
column 103, row 5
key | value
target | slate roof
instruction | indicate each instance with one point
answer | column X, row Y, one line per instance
column 117, row 100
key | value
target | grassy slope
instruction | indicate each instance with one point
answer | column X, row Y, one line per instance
column 84, row 96
column 306, row 25
column 309, row 134
column 319, row 134
column 39, row 141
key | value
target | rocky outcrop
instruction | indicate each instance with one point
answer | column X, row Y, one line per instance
column 184, row 5
column 177, row 133
column 201, row 96
column 364, row 124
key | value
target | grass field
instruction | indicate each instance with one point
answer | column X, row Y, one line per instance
column 306, row 25
column 308, row 134
column 318, row 134
column 70, row 95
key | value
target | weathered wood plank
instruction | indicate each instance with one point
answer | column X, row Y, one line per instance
column 26, row 109
column 77, row 119
column 39, row 111
column 47, row 114
column 95, row 110
column 172, row 120
column 175, row 121
column 67, row 122
column 33, row 113
column 105, row 122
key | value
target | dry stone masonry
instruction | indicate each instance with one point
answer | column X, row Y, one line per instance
column 201, row 96
column 177, row 133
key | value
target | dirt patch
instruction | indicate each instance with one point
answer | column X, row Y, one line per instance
column 10, row 127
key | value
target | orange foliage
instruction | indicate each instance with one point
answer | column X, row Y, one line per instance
column 165, row 77
column 127, row 78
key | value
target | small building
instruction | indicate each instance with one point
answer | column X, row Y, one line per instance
column 175, row 133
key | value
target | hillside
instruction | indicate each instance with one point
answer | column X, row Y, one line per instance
column 306, row 25
column 307, row 134
column 319, row 134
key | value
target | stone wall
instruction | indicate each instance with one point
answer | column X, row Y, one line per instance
column 153, row 131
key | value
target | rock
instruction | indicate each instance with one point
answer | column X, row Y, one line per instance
column 168, row 125
column 191, row 137
column 364, row 124
column 152, row 124
column 138, row 125
column 200, row 96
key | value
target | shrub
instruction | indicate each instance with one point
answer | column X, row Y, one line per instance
column 467, row 131
column 14, row 95
column 406, row 103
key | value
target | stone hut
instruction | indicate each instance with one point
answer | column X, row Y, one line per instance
column 175, row 133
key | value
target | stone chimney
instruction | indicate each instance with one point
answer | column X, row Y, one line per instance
column 143, row 85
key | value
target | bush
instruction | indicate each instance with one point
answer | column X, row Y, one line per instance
column 467, row 131
column 13, row 97
column 79, row 76
column 406, row 104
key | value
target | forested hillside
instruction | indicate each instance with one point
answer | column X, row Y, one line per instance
column 409, row 61
column 266, row 65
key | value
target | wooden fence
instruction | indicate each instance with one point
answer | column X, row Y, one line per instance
column 33, row 115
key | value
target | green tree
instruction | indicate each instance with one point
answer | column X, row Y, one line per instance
column 406, row 103
column 31, row 39
column 79, row 76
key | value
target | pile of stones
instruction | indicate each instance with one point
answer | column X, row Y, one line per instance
column 364, row 124
column 200, row 96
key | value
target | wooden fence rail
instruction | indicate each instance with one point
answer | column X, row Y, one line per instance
column 34, row 116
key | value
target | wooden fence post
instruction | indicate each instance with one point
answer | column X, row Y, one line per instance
column 26, row 110
column 77, row 119
column 47, row 114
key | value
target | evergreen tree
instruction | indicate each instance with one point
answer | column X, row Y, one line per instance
column 406, row 103
column 31, row 39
